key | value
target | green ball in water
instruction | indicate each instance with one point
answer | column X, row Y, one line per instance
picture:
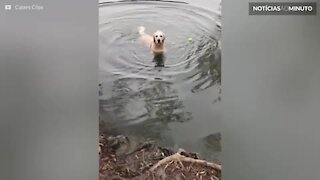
column 189, row 39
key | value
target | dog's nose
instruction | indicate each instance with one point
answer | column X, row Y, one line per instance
column 158, row 40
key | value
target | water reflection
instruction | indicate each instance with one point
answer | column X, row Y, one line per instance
column 208, row 68
column 159, row 60
column 142, row 95
column 155, row 103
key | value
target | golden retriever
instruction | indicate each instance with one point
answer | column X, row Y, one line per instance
column 155, row 42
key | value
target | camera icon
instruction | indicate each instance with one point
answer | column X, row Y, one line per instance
column 7, row 7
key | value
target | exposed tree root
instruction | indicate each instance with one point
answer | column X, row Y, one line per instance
column 177, row 157
column 147, row 161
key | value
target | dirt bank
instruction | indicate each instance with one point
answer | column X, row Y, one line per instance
column 147, row 161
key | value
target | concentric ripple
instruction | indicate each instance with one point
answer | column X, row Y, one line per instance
column 142, row 91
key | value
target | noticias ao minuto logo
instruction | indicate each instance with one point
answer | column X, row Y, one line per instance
column 259, row 8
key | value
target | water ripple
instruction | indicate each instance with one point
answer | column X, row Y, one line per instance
column 141, row 90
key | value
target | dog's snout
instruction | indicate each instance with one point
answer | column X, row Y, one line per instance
column 158, row 40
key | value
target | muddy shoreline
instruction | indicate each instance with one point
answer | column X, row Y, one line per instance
column 150, row 161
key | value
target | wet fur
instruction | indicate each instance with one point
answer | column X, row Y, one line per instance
column 151, row 41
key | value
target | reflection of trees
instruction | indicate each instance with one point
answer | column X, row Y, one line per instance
column 148, row 106
column 209, row 66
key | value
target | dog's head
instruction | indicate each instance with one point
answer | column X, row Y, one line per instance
column 158, row 38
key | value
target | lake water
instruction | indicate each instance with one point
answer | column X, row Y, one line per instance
column 173, row 99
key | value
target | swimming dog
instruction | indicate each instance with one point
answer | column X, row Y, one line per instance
column 155, row 42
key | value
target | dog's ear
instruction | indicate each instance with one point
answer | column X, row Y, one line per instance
column 154, row 38
column 163, row 38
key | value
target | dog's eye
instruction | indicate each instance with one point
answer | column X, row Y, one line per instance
column 160, row 35
column 156, row 36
